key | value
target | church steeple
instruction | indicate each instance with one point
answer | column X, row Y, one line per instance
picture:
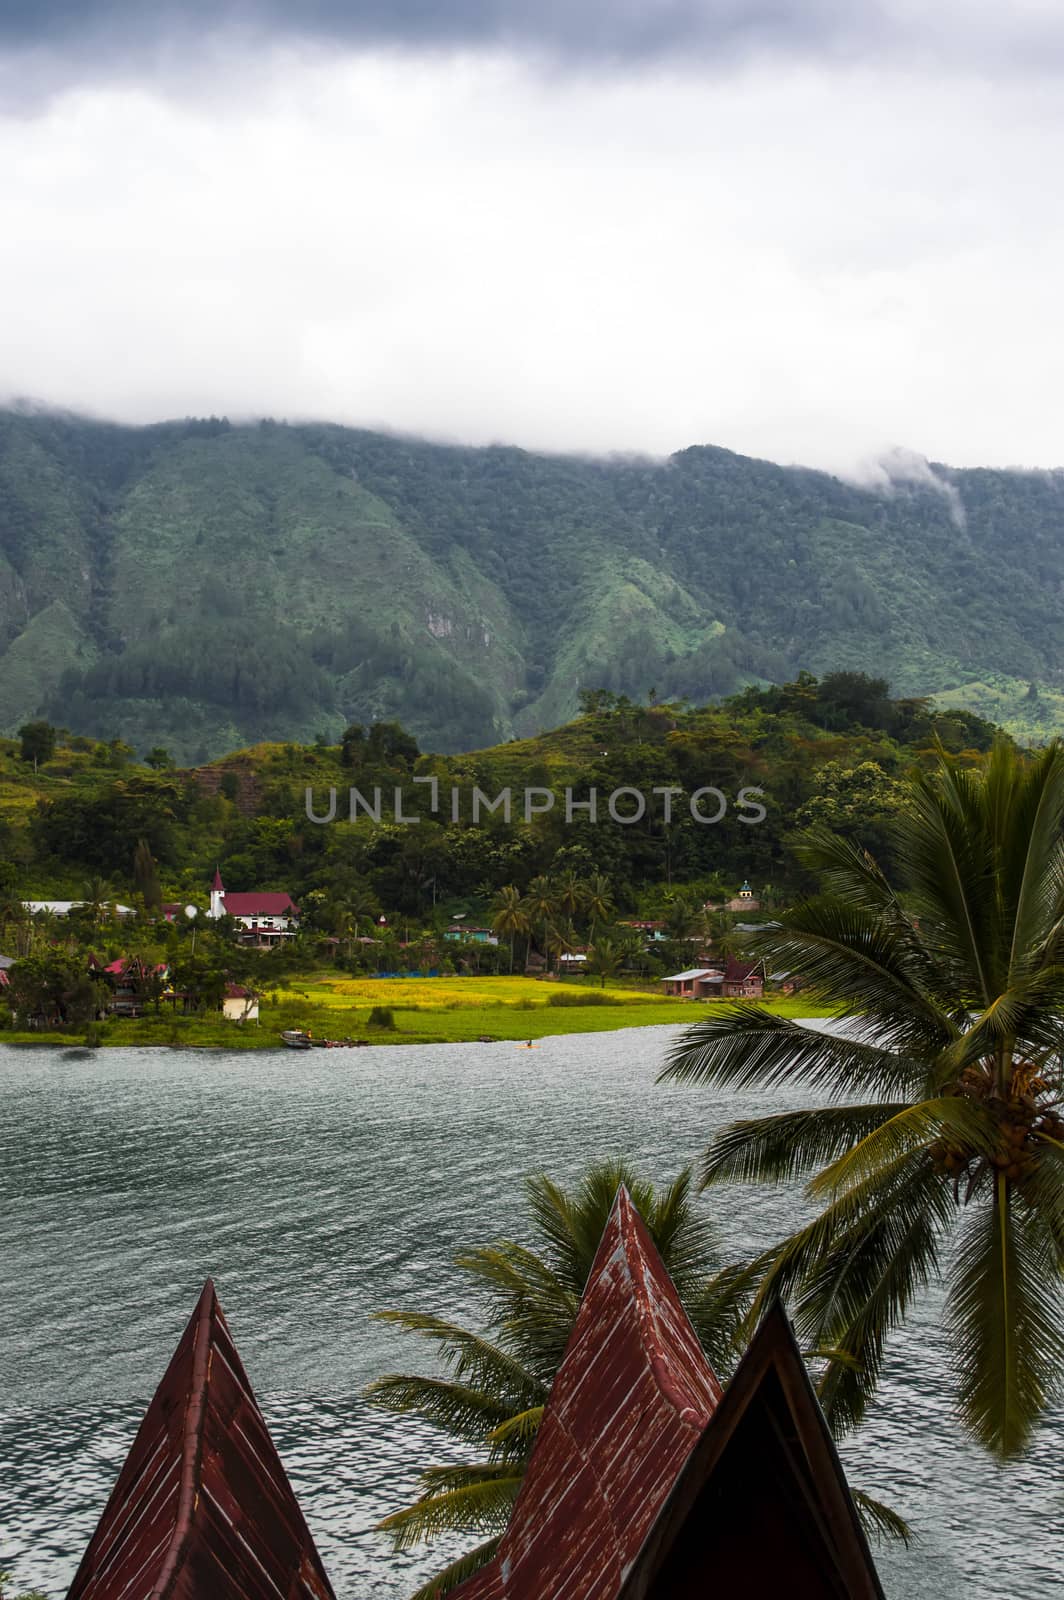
column 217, row 896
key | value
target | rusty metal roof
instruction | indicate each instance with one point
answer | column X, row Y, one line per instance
column 646, row 1484
column 630, row 1401
column 202, row 1509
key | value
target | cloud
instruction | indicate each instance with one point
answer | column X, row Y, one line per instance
column 900, row 468
column 49, row 44
column 802, row 263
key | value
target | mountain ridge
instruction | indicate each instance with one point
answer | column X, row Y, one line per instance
column 202, row 585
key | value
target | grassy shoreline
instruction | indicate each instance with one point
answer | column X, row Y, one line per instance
column 430, row 1011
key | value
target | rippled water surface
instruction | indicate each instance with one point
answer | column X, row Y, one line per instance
column 317, row 1188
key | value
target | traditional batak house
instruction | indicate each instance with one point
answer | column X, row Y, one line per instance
column 647, row 1480
column 202, row 1509
column 134, row 984
column 743, row 980
column 266, row 919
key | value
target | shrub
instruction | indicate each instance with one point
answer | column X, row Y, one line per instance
column 583, row 997
column 382, row 1017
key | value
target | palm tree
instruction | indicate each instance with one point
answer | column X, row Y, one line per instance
column 562, row 939
column 604, row 960
column 952, row 1045
column 509, row 919
column 569, row 893
column 501, row 1376
column 684, row 921
column 540, row 906
column 598, row 902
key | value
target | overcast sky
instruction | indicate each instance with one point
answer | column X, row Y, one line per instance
column 808, row 231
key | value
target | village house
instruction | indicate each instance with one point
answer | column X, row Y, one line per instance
column 134, row 985
column 63, row 908
column 745, row 900
column 460, row 930
column 734, row 980
column 240, row 1004
column 267, row 918
column 653, row 932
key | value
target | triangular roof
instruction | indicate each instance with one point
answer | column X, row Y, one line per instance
column 202, row 1509
column 217, row 884
column 623, row 1499
column 761, row 1506
column 629, row 1402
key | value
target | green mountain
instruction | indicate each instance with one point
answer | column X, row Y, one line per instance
column 204, row 586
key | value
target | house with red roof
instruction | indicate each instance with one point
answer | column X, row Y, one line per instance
column 267, row 917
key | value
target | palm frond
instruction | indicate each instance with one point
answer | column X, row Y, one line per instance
column 863, row 1285
column 466, row 1414
column 775, row 1149
column 878, row 1520
column 743, row 1046
column 1006, row 1318
column 457, row 1571
column 468, row 1354
column 477, row 1507
column 866, row 963
column 518, row 1431
column 910, row 1128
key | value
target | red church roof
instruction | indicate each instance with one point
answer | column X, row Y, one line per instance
column 258, row 904
column 629, row 1403
column 202, row 1509
column 217, row 884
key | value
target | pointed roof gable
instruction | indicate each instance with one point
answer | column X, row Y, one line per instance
column 202, row 1507
column 630, row 1400
column 762, row 1504
column 646, row 1484
column 217, row 884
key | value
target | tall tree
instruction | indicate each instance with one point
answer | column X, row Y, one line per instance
column 509, row 919
column 37, row 743
column 952, row 994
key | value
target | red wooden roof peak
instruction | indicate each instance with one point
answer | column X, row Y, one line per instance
column 217, row 884
column 646, row 1484
column 202, row 1507
column 629, row 1402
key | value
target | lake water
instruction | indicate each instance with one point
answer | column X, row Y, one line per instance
column 319, row 1187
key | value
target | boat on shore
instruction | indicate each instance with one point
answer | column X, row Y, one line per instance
column 298, row 1039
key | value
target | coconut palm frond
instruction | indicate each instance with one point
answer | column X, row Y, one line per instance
column 470, row 1355
column 864, row 1284
column 878, row 1520
column 465, row 1413
column 481, row 1505
column 457, row 1571
column 910, row 1128
column 1006, row 1318
column 521, row 1429
column 743, row 1046
column 777, row 1149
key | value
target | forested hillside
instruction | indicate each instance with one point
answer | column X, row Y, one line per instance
column 203, row 586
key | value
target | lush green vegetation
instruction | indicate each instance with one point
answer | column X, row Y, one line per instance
column 87, row 822
column 201, row 586
column 942, row 1140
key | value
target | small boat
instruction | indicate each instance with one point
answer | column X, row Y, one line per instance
column 296, row 1039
